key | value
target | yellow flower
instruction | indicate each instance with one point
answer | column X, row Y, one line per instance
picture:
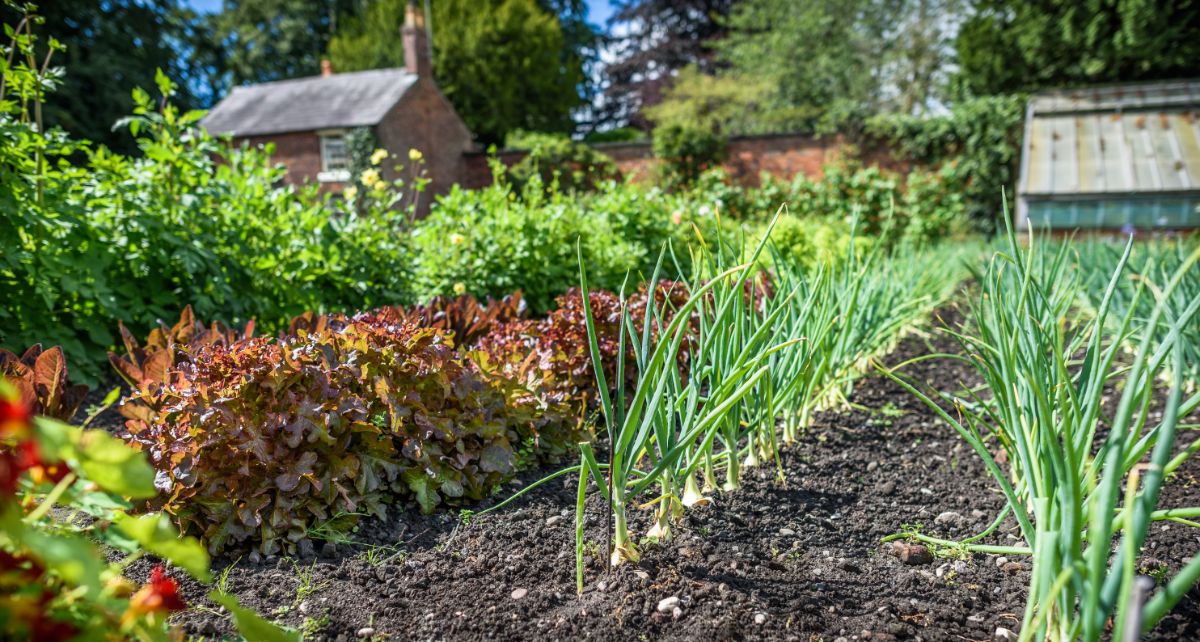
column 456, row 238
column 371, row 178
column 349, row 193
column 414, row 154
column 459, row 288
column 378, row 156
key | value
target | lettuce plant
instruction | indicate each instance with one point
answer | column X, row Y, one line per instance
column 40, row 377
column 262, row 439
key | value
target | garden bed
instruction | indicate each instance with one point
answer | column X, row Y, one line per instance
column 799, row 560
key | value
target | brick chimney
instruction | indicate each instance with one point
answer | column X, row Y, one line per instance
column 326, row 68
column 416, row 42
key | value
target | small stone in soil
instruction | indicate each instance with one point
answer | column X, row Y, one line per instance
column 553, row 519
column 366, row 632
column 787, row 532
column 760, row 618
column 519, row 593
column 668, row 604
column 1013, row 567
column 947, row 518
column 1004, row 634
column 912, row 554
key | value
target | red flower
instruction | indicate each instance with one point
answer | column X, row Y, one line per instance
column 26, row 457
column 14, row 417
column 159, row 596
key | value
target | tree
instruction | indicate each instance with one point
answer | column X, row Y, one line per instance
column 268, row 40
column 102, row 68
column 1019, row 45
column 721, row 104
column 656, row 38
column 504, row 64
column 820, row 57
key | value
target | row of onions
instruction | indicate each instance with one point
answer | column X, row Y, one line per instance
column 1150, row 263
column 734, row 373
column 1083, row 476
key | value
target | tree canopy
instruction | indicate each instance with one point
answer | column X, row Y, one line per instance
column 101, row 68
column 504, row 64
column 1022, row 45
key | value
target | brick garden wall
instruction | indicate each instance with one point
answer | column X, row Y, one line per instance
column 781, row 155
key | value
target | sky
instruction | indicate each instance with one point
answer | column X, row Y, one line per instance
column 598, row 10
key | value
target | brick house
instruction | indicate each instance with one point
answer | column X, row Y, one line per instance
column 307, row 118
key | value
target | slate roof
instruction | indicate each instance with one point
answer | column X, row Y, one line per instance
column 355, row 99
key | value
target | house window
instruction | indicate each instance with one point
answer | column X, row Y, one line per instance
column 334, row 164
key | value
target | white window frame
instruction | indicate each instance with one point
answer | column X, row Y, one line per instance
column 334, row 174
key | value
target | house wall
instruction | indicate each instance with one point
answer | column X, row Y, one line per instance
column 422, row 120
column 425, row 120
column 299, row 151
column 747, row 157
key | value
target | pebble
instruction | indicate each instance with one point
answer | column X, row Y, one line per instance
column 1013, row 567
column 912, row 554
column 1004, row 634
column 760, row 618
column 872, row 466
column 887, row 488
column 519, row 593
column 366, row 632
column 787, row 532
column 676, row 613
column 668, row 604
column 947, row 518
column 1001, row 561
column 553, row 519
column 977, row 618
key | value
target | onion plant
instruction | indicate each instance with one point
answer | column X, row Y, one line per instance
column 748, row 351
column 1076, row 493
column 1151, row 264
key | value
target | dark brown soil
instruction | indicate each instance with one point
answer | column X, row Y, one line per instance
column 794, row 560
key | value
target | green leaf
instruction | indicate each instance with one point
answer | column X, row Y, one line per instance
column 251, row 625
column 102, row 458
column 115, row 466
column 156, row 534
column 421, row 486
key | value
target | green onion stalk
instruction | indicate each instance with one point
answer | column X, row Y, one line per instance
column 1076, row 497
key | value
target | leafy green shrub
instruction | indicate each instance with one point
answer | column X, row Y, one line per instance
column 980, row 136
column 920, row 206
column 812, row 241
column 85, row 244
column 572, row 166
column 490, row 242
column 262, row 440
column 686, row 151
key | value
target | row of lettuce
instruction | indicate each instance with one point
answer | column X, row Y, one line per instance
column 89, row 237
